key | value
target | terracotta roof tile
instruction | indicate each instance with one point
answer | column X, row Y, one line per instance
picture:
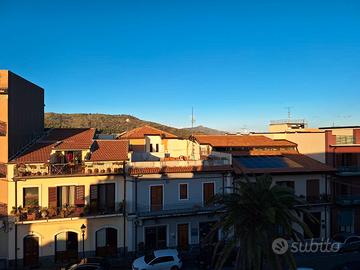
column 183, row 169
column 140, row 132
column 242, row 141
column 110, row 150
column 59, row 139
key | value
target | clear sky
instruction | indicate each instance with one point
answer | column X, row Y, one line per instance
column 238, row 63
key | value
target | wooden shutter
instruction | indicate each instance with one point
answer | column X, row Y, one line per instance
column 209, row 192
column 110, row 196
column 80, row 195
column 156, row 198
column 183, row 191
column 52, row 197
column 313, row 189
column 93, row 197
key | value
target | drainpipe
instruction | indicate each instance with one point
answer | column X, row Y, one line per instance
column 124, row 209
column 136, row 212
column 16, row 226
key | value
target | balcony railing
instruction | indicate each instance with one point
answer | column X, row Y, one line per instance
column 174, row 209
column 60, row 169
column 348, row 200
column 44, row 213
column 349, row 169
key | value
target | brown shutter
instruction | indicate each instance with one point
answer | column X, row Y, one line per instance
column 156, row 198
column 52, row 196
column 313, row 190
column 209, row 192
column 93, row 197
column 110, row 196
column 80, row 195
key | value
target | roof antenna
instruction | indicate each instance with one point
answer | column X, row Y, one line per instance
column 288, row 112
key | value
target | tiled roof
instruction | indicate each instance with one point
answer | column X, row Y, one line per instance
column 140, row 132
column 183, row 169
column 110, row 150
column 72, row 139
column 282, row 164
column 242, row 141
column 59, row 139
column 2, row 170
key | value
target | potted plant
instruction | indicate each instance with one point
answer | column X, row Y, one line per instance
column 31, row 213
column 44, row 212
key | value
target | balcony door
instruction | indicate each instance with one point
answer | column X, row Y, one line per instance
column 313, row 190
column 156, row 198
column 208, row 192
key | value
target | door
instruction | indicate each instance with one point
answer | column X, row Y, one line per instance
column 156, row 198
column 31, row 251
column 106, row 242
column 155, row 237
column 208, row 192
column 66, row 246
column 183, row 236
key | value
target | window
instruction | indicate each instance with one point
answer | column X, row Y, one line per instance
column 65, row 195
column 313, row 190
column 183, row 192
column 156, row 198
column 289, row 184
column 31, row 197
column 163, row 260
column 102, row 197
column 157, row 148
column 208, row 192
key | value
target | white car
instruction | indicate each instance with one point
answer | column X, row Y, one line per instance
column 164, row 259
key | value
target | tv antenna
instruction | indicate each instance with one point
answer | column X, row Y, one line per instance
column 288, row 112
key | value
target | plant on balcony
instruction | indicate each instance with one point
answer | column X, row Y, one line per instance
column 44, row 212
column 52, row 211
column 31, row 213
column 96, row 171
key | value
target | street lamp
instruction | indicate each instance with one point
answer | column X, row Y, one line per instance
column 83, row 228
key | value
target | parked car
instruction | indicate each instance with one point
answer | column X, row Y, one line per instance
column 91, row 263
column 165, row 259
column 347, row 242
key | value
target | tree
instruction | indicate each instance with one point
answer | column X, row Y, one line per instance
column 252, row 216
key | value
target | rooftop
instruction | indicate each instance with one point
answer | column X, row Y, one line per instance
column 141, row 132
column 110, row 150
column 242, row 141
column 280, row 164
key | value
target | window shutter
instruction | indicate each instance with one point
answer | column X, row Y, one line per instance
column 52, row 197
column 80, row 195
column 93, row 197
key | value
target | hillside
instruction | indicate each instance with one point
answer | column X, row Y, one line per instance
column 107, row 123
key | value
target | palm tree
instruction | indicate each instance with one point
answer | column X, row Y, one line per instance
column 251, row 217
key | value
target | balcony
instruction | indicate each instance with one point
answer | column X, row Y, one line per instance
column 175, row 209
column 63, row 169
column 345, row 200
column 349, row 170
column 46, row 213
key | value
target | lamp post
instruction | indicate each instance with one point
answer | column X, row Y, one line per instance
column 83, row 228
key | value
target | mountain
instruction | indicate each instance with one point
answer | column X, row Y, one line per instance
column 110, row 124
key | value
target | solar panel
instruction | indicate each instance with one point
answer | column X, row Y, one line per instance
column 262, row 161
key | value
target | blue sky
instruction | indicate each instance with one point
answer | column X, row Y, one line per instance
column 238, row 63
